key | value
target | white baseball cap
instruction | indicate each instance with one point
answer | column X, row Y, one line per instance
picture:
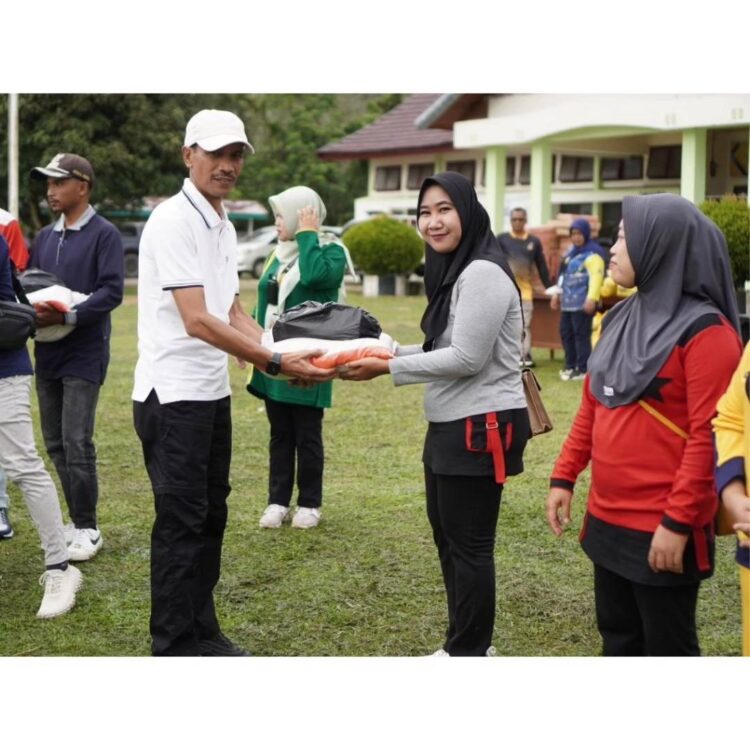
column 213, row 129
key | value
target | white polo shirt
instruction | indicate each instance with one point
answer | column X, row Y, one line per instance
column 185, row 243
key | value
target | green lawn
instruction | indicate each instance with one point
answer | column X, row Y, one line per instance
column 367, row 581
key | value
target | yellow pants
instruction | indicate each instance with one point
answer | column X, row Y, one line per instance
column 745, row 596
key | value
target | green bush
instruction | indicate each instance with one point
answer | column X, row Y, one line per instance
column 732, row 215
column 383, row 245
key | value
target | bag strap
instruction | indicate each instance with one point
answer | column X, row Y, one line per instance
column 17, row 288
column 668, row 423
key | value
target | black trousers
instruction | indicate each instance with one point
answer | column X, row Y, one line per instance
column 639, row 620
column 575, row 334
column 463, row 513
column 187, row 448
column 296, row 432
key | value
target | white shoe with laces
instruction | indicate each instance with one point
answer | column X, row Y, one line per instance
column 306, row 518
column 60, row 587
column 273, row 516
column 86, row 543
column 69, row 531
column 440, row 652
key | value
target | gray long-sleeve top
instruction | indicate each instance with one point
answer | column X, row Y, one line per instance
column 474, row 367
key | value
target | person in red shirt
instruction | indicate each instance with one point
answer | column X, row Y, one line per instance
column 665, row 356
column 17, row 248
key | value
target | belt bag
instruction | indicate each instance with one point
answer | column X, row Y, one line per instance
column 539, row 420
column 494, row 443
column 17, row 324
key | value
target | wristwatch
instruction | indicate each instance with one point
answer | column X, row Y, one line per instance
column 274, row 364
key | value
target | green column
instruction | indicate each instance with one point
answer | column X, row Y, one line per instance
column 541, row 184
column 693, row 179
column 494, row 179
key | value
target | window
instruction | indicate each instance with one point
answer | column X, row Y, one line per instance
column 388, row 178
column 524, row 176
column 576, row 208
column 611, row 215
column 417, row 174
column 630, row 168
column 576, row 169
column 466, row 168
column 664, row 162
column 510, row 170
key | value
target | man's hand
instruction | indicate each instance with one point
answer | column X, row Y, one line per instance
column 364, row 369
column 298, row 366
column 589, row 306
column 307, row 219
column 554, row 302
column 559, row 499
column 667, row 549
column 46, row 315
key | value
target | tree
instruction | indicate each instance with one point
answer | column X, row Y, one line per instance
column 134, row 140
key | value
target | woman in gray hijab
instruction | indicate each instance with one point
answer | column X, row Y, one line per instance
column 665, row 357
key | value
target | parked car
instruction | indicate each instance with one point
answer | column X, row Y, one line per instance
column 131, row 238
column 253, row 252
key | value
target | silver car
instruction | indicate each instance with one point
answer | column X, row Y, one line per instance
column 254, row 250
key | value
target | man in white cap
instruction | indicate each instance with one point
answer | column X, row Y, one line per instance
column 189, row 319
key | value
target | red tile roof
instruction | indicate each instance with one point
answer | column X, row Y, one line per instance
column 391, row 134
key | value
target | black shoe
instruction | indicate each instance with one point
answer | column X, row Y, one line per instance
column 220, row 645
column 6, row 530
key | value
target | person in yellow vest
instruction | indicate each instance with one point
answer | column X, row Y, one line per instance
column 611, row 293
column 732, row 431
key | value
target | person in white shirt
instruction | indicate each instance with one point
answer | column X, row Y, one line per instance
column 189, row 319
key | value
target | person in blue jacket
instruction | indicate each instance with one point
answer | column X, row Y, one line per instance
column 85, row 252
column 580, row 280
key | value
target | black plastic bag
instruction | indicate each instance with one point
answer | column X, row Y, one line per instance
column 325, row 320
column 34, row 279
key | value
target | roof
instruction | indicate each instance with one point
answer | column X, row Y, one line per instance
column 392, row 134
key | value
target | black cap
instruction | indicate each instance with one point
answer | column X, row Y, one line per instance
column 64, row 166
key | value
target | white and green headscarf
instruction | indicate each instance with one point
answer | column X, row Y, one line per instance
column 288, row 203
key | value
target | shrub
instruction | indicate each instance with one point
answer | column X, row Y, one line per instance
column 384, row 245
column 732, row 215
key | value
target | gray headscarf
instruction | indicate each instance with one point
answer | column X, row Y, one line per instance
column 682, row 271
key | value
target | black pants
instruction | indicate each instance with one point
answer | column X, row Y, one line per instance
column 67, row 409
column 639, row 620
column 187, row 448
column 575, row 334
column 463, row 513
column 296, row 431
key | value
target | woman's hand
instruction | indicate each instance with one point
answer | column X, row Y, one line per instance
column 737, row 504
column 666, row 552
column 307, row 219
column 559, row 499
column 364, row 369
column 554, row 302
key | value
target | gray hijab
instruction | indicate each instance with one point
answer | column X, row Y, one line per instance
column 682, row 271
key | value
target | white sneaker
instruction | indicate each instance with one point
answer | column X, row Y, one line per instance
column 566, row 374
column 86, row 543
column 306, row 518
column 60, row 588
column 491, row 651
column 440, row 652
column 273, row 516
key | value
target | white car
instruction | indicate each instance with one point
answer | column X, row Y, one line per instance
column 253, row 251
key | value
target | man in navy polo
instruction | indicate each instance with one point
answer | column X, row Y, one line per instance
column 85, row 252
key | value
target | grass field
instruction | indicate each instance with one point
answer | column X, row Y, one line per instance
column 367, row 581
